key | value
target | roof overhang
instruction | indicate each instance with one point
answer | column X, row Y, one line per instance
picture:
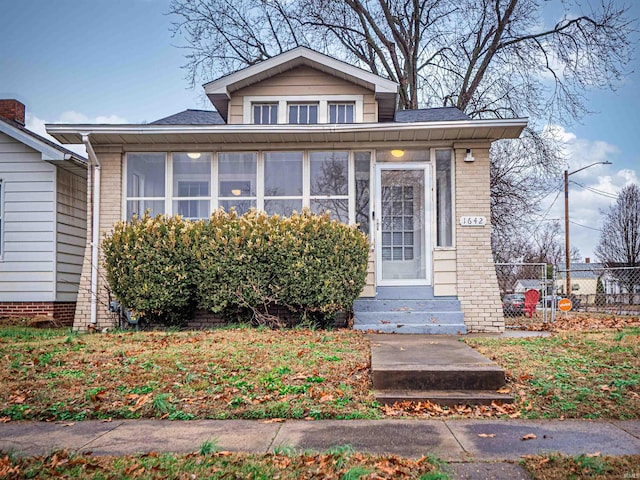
column 49, row 153
column 219, row 91
column 363, row 133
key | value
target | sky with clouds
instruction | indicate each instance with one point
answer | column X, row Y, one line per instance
column 114, row 61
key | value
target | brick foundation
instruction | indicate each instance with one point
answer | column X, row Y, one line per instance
column 61, row 312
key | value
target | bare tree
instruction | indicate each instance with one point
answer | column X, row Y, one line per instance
column 620, row 238
column 489, row 58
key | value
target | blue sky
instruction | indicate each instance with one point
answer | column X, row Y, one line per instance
column 114, row 61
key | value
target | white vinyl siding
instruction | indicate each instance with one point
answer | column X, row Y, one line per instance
column 71, row 219
column 28, row 222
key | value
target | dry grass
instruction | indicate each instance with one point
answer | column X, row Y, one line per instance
column 571, row 374
column 560, row 467
column 230, row 373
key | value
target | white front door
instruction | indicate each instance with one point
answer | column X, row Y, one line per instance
column 403, row 250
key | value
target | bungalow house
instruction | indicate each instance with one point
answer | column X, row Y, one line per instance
column 43, row 220
column 303, row 129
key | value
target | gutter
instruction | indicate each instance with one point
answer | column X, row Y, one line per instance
column 95, row 228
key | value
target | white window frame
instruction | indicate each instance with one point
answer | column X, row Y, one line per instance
column 266, row 104
column 303, row 104
column 323, row 102
column 435, row 218
column 260, row 196
column 337, row 105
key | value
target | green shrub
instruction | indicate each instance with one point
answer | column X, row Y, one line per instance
column 150, row 268
column 251, row 264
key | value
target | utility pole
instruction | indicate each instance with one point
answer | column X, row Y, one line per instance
column 567, row 246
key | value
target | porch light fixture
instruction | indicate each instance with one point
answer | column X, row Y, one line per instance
column 236, row 192
column 397, row 153
column 194, row 155
column 469, row 157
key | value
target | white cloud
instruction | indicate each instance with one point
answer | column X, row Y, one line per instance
column 37, row 125
column 591, row 191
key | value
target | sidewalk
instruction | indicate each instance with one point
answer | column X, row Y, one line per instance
column 471, row 445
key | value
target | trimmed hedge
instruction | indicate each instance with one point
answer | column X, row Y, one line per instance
column 163, row 268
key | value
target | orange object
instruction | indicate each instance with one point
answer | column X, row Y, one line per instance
column 531, row 298
column 564, row 304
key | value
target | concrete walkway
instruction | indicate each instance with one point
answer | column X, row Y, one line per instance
column 475, row 448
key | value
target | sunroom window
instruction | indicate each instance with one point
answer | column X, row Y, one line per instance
column 444, row 198
column 191, row 184
column 282, row 182
column 330, row 183
column 145, row 183
column 237, row 177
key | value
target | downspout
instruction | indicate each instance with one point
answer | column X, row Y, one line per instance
column 95, row 228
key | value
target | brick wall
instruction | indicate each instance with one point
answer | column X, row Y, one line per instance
column 111, row 200
column 476, row 274
column 61, row 312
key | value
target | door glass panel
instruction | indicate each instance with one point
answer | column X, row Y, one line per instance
column 403, row 229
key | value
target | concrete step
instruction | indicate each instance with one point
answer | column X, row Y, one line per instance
column 443, row 397
column 406, row 293
column 408, row 318
column 427, row 305
column 423, row 329
column 439, row 377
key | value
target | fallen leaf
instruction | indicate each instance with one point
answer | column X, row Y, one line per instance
column 274, row 420
column 529, row 436
column 591, row 455
column 107, row 420
column 486, row 435
column 504, row 390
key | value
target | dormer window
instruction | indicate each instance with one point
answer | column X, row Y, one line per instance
column 340, row 112
column 265, row 113
column 303, row 113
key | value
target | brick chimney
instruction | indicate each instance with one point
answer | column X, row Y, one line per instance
column 587, row 260
column 12, row 110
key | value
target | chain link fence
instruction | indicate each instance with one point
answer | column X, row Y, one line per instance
column 594, row 287
column 599, row 288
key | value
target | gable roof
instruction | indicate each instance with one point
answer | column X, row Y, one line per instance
column 51, row 152
column 192, row 117
column 385, row 90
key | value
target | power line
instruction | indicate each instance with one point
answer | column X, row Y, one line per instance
column 596, row 191
column 585, row 226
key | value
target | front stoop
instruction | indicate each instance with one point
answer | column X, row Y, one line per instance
column 409, row 310
column 441, row 369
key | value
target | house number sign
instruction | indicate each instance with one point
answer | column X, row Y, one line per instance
column 473, row 221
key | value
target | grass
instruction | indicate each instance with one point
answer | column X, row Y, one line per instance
column 571, row 374
column 342, row 464
column 561, row 467
column 227, row 373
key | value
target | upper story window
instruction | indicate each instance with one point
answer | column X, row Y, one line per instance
column 341, row 112
column 303, row 109
column 265, row 113
column 303, row 113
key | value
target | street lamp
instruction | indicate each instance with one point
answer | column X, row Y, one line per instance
column 566, row 220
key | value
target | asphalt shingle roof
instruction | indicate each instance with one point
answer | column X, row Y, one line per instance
column 441, row 114
column 192, row 117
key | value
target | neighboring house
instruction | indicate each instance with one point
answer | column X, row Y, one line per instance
column 584, row 278
column 305, row 130
column 43, row 215
column 523, row 285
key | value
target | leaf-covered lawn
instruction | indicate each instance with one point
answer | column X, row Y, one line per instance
column 571, row 374
column 229, row 373
column 594, row 466
column 336, row 464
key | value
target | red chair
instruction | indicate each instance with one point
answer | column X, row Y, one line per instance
column 531, row 298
